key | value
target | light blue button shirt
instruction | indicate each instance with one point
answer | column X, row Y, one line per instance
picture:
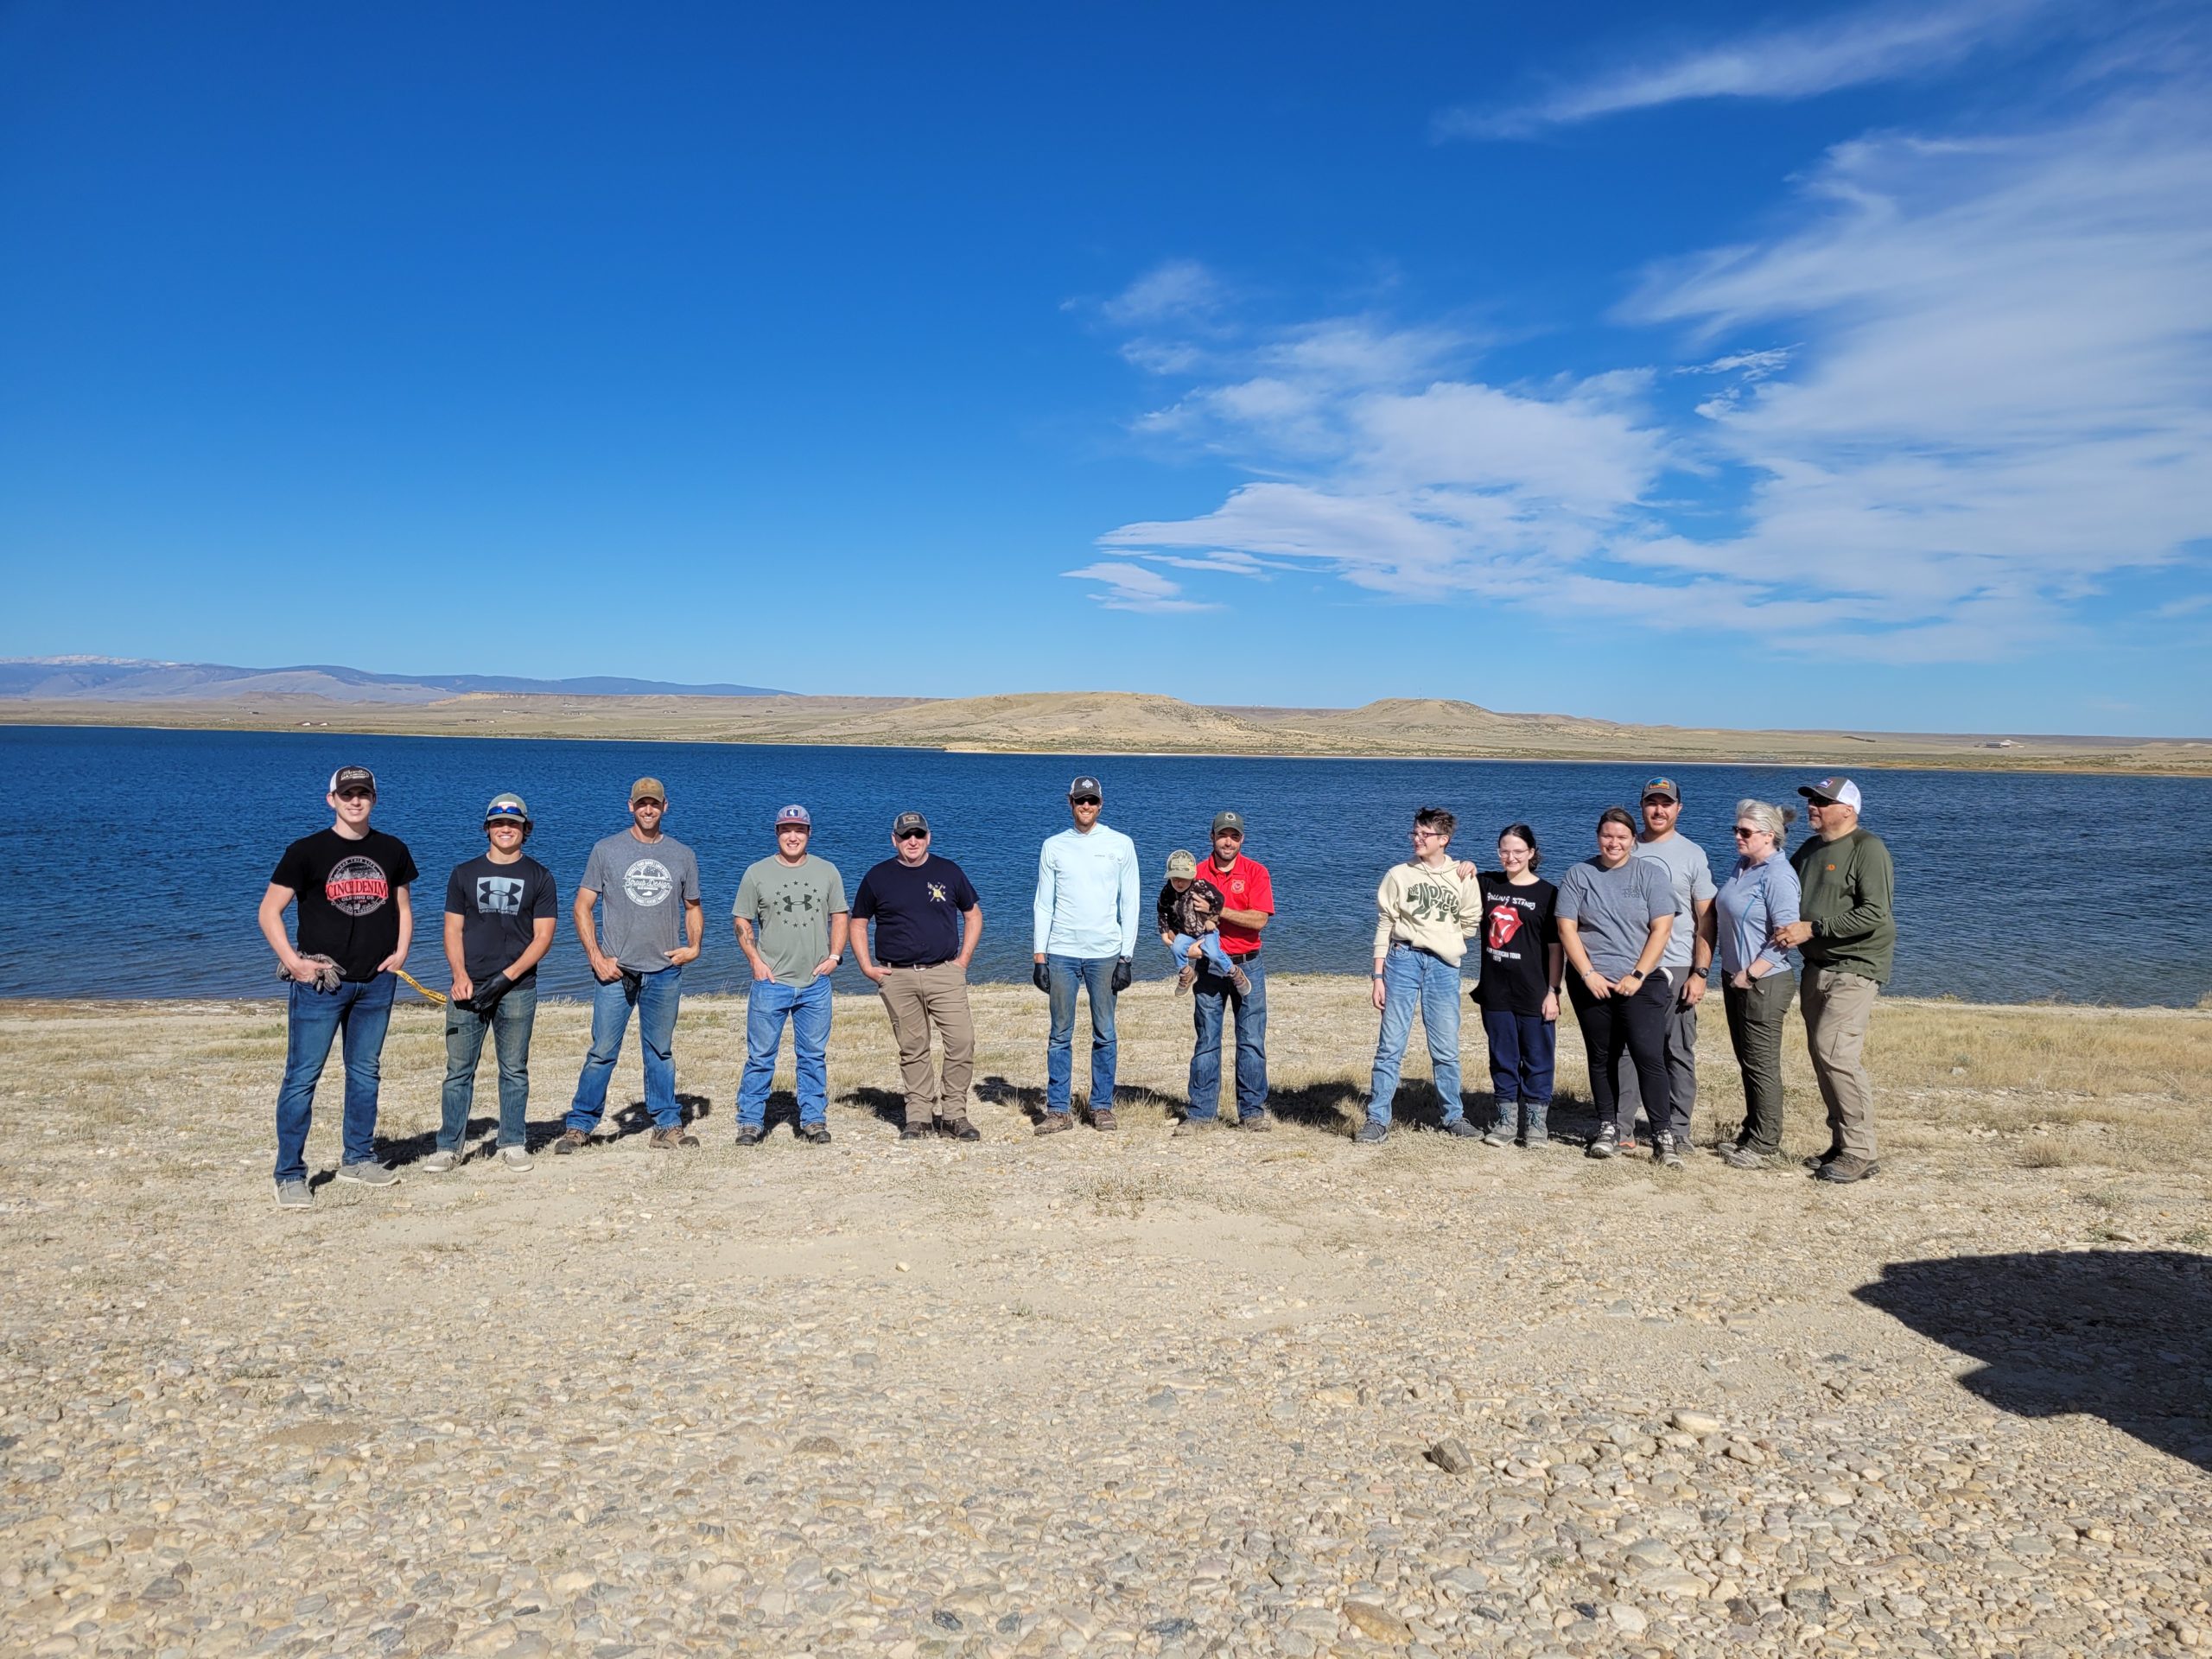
column 1087, row 894
column 1753, row 901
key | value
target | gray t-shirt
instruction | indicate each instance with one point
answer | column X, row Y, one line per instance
column 643, row 888
column 1614, row 910
column 1689, row 877
column 790, row 906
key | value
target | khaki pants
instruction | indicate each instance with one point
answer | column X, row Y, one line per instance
column 1838, row 1006
column 918, row 998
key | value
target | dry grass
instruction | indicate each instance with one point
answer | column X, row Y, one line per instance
column 2056, row 1087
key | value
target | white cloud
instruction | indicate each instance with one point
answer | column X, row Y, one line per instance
column 1136, row 588
column 1173, row 289
column 1996, row 398
column 1883, row 42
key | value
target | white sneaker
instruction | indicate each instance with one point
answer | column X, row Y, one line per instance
column 442, row 1162
column 516, row 1158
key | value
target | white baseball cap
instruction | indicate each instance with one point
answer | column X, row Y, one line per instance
column 1832, row 789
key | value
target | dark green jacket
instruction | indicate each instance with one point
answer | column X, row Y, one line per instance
column 1848, row 891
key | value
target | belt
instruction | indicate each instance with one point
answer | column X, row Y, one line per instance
column 918, row 966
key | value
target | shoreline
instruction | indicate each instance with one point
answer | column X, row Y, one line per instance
column 2171, row 758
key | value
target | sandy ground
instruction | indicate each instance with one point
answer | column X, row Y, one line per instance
column 1233, row 1394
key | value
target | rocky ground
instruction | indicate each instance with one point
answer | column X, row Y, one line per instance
column 1234, row 1394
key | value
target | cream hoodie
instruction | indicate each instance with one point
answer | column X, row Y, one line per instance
column 1433, row 910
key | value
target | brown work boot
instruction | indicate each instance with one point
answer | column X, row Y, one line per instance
column 958, row 1129
column 1183, row 980
column 571, row 1141
column 1055, row 1121
column 669, row 1139
column 918, row 1128
column 1847, row 1167
column 1104, row 1119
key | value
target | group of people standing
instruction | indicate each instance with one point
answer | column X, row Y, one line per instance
column 1638, row 924
column 1632, row 933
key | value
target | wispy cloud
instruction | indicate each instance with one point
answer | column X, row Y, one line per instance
column 1996, row 397
column 1125, row 587
column 1883, row 42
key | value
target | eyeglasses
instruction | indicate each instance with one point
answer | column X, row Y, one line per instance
column 913, row 835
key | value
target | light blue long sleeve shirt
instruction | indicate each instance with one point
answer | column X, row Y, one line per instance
column 1087, row 894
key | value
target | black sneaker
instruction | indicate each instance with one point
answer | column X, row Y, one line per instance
column 1663, row 1150
column 749, row 1136
column 1604, row 1143
column 815, row 1134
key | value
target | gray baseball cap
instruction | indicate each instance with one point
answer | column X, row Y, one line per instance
column 1085, row 785
column 1229, row 821
column 906, row 821
column 798, row 815
column 506, row 806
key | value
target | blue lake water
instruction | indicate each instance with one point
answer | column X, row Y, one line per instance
column 134, row 859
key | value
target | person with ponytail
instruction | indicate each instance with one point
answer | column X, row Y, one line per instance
column 1759, row 896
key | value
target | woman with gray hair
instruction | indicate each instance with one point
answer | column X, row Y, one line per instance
column 1760, row 895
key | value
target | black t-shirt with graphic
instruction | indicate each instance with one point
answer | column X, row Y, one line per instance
column 498, row 904
column 348, row 896
column 1519, row 925
column 916, row 909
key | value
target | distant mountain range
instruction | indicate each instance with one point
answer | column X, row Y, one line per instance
column 125, row 679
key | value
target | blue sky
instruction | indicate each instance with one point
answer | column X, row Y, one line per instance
column 1800, row 365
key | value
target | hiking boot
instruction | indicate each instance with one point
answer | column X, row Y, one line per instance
column 1371, row 1134
column 1737, row 1157
column 294, row 1195
column 1194, row 1125
column 1055, row 1121
column 1663, row 1150
column 441, row 1161
column 570, row 1140
column 1185, row 979
column 1241, row 980
column 751, row 1134
column 516, row 1159
column 1818, row 1164
column 1498, row 1136
column 1255, row 1121
column 669, row 1139
column 1464, row 1130
column 1105, row 1120
column 1539, row 1141
column 815, row 1134
column 1604, row 1143
column 1845, row 1168
column 367, row 1172
column 919, row 1129
column 959, row 1129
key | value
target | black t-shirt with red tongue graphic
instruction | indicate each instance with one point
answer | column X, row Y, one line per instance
column 348, row 896
column 1519, row 926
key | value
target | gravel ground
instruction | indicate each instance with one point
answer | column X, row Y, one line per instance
column 1234, row 1394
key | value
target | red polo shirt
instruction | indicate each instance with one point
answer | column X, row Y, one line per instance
column 1245, row 886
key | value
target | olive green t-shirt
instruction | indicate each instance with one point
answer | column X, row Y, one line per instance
column 790, row 906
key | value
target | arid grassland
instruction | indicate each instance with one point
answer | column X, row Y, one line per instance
column 1117, row 1395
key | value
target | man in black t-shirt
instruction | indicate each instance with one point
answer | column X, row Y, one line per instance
column 928, row 923
column 500, row 914
column 355, row 921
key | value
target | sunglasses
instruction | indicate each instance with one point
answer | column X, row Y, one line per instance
column 1818, row 800
column 1741, row 833
column 505, row 821
column 357, row 794
column 1083, row 800
column 913, row 835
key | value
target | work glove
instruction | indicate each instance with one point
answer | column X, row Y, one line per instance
column 488, row 994
column 1042, row 977
column 1121, row 980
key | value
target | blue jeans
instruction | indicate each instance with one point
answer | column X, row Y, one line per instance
column 360, row 1009
column 1212, row 997
column 767, row 1005
column 1215, row 959
column 1411, row 977
column 656, row 997
column 1522, row 1049
column 1066, row 974
column 509, row 1022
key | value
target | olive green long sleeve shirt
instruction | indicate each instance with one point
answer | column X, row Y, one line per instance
column 1849, row 889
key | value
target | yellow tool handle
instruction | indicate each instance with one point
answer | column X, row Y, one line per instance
column 436, row 999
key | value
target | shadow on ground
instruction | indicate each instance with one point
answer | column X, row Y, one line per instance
column 2117, row 1334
